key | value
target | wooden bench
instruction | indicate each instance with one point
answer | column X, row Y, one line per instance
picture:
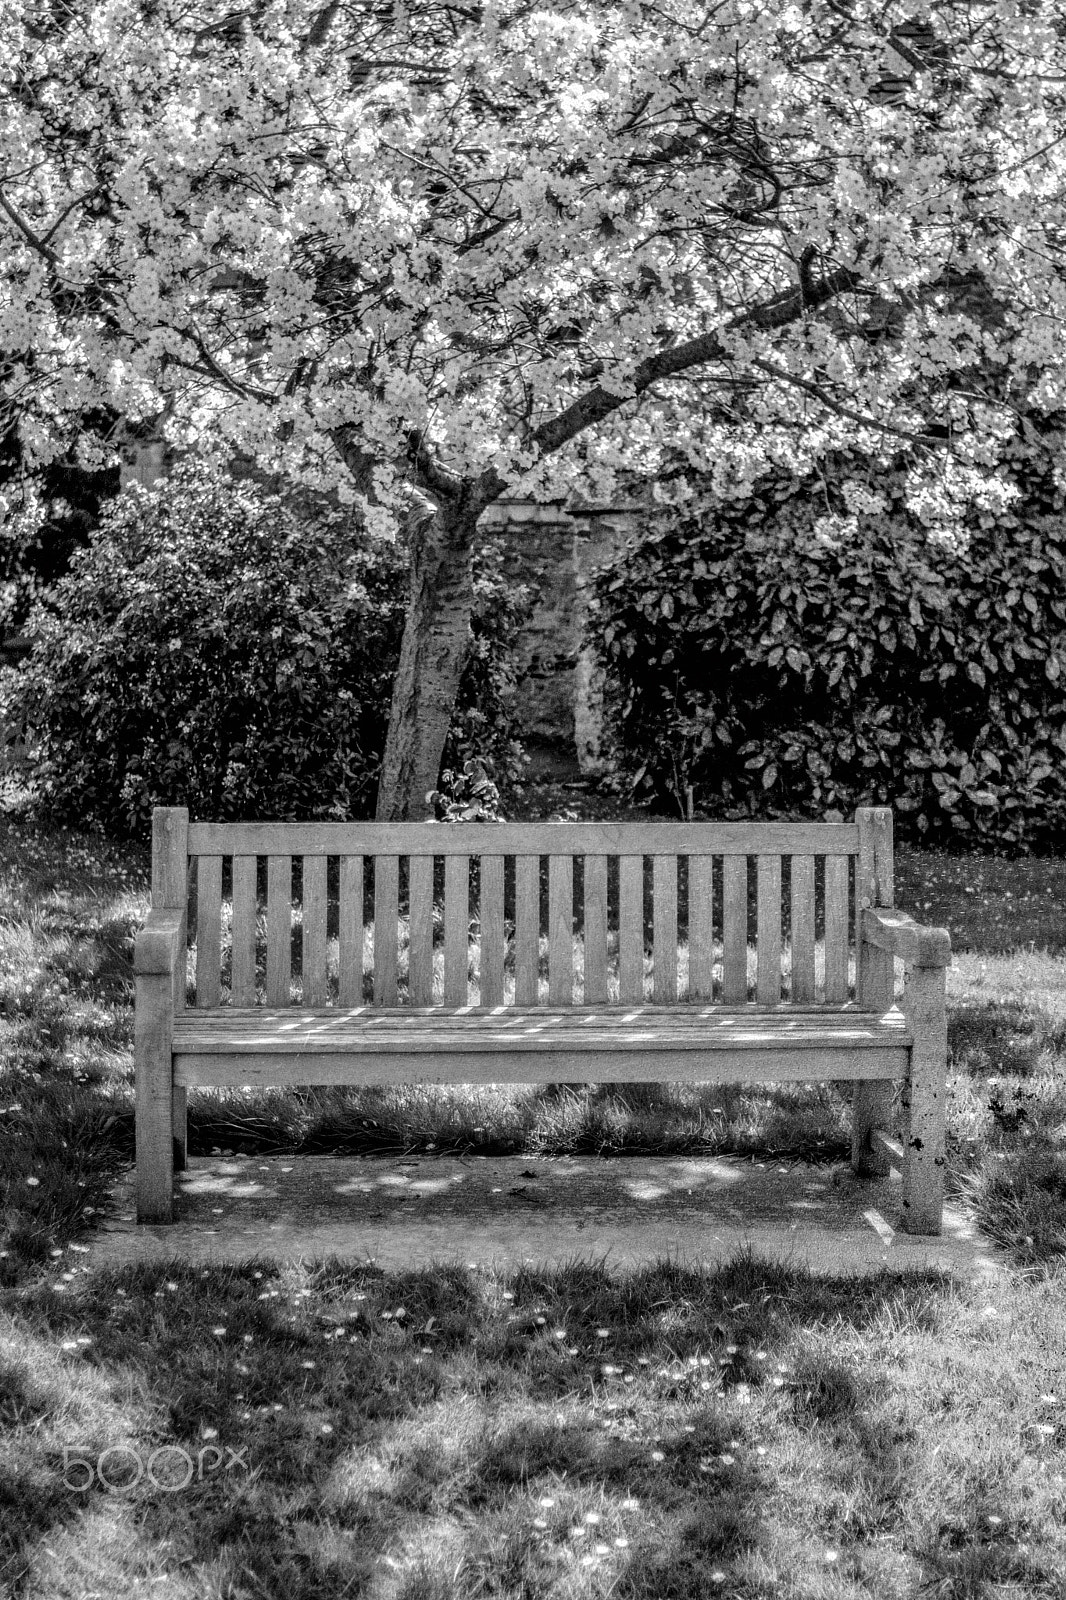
column 379, row 953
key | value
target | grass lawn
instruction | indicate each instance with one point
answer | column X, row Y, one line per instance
column 752, row 1431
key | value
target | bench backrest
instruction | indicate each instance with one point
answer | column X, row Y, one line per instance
column 523, row 914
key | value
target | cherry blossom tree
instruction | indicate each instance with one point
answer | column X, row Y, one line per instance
column 428, row 254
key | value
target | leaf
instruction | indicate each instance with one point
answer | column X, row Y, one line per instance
column 769, row 777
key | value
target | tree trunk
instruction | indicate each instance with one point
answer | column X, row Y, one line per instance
column 436, row 637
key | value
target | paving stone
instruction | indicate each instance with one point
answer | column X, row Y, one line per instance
column 409, row 1211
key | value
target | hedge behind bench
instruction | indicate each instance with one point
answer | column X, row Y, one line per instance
column 815, row 646
column 211, row 648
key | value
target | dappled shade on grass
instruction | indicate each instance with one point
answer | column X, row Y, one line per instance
column 546, row 1432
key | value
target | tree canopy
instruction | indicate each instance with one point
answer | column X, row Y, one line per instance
column 435, row 251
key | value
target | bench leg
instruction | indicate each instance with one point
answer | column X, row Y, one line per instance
column 153, row 1063
column 181, row 1129
column 924, row 1101
column 871, row 1108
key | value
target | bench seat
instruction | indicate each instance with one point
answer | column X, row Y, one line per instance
column 439, row 1044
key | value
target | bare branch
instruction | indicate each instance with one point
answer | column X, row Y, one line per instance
column 26, row 231
column 838, row 406
column 79, row 200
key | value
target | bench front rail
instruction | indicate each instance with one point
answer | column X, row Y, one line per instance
column 376, row 953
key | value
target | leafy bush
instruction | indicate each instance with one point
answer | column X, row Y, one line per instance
column 213, row 649
column 816, row 647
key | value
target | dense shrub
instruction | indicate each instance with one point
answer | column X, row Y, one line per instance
column 212, row 648
column 815, row 647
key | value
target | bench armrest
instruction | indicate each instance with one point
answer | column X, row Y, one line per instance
column 160, row 943
column 901, row 936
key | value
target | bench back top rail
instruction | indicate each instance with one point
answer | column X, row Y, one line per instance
column 510, row 914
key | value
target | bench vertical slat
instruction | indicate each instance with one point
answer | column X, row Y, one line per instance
column 836, row 929
column 279, row 930
column 456, row 929
column 735, row 930
column 560, row 930
column 802, row 897
column 315, row 980
column 594, row 918
column 631, row 929
column 664, row 929
column 701, row 927
column 490, row 965
column 350, row 932
column 243, row 931
column 527, row 929
column 386, row 927
column 768, row 930
column 420, row 935
column 871, row 1105
column 208, row 929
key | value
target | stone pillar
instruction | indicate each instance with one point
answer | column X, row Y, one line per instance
column 539, row 550
column 601, row 532
column 560, row 699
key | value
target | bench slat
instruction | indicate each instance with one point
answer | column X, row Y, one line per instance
column 636, row 1028
column 595, row 928
column 350, row 932
column 709, row 1028
column 802, row 903
column 456, row 929
column 243, row 934
column 836, row 929
column 580, row 1018
column 735, row 930
column 560, row 930
column 768, row 930
column 208, row 930
column 386, row 919
column 420, row 936
column 527, row 929
column 631, row 928
column 279, row 930
column 666, row 1064
column 520, row 838
column 701, row 927
column 315, row 978
column 493, row 944
column 664, row 929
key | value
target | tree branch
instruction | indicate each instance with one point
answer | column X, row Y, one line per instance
column 429, row 474
column 838, row 406
column 598, row 403
column 26, row 231
column 79, row 200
